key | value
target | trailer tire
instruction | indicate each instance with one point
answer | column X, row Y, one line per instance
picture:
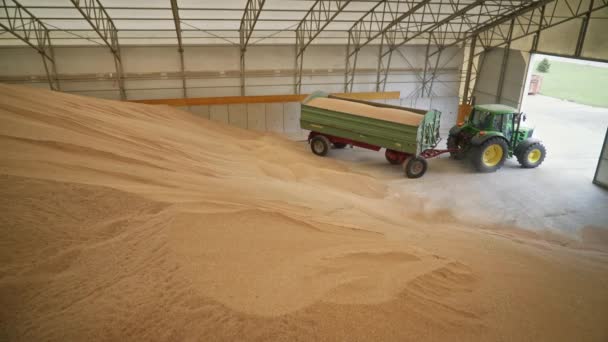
column 490, row 155
column 532, row 156
column 319, row 145
column 339, row 145
column 393, row 157
column 415, row 167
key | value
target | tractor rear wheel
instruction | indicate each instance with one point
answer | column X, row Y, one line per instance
column 490, row 155
column 339, row 145
column 319, row 145
column 414, row 167
column 453, row 144
column 532, row 156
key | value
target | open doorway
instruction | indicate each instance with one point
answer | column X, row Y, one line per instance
column 566, row 102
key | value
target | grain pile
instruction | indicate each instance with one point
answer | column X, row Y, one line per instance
column 387, row 114
column 123, row 221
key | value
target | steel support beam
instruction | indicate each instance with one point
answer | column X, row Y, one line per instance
column 314, row 22
column 433, row 76
column 248, row 21
column 385, row 16
column 482, row 59
column 538, row 19
column 100, row 21
column 180, row 47
column 536, row 37
column 22, row 24
column 469, row 72
column 426, row 63
column 528, row 21
column 412, row 29
column 504, row 64
column 583, row 31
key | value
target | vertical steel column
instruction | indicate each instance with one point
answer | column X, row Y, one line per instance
column 525, row 20
column 385, row 16
column 248, row 21
column 385, row 56
column 242, row 68
column 536, row 38
column 583, row 31
column 426, row 63
column 380, row 51
column 350, row 67
column 119, row 74
column 100, row 21
column 346, row 62
column 52, row 77
column 180, row 47
column 298, row 68
column 183, row 72
column 505, row 60
column 22, row 24
column 482, row 59
column 467, row 79
column 461, row 11
column 434, row 73
column 49, row 63
column 320, row 14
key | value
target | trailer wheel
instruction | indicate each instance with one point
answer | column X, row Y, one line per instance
column 532, row 156
column 393, row 157
column 319, row 145
column 415, row 167
column 339, row 145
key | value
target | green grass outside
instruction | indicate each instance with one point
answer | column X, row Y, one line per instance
column 583, row 84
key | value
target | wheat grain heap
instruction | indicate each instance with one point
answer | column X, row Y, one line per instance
column 123, row 221
column 401, row 116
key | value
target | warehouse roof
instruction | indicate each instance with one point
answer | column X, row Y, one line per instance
column 227, row 22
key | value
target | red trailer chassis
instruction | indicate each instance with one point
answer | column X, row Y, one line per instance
column 415, row 166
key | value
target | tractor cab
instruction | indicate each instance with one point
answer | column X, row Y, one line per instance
column 490, row 134
column 493, row 118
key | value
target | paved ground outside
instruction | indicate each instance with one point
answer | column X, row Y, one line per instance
column 557, row 195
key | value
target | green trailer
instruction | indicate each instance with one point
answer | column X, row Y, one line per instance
column 408, row 135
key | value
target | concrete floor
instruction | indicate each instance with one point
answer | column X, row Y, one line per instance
column 557, row 195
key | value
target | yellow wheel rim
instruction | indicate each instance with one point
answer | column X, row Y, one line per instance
column 492, row 155
column 534, row 156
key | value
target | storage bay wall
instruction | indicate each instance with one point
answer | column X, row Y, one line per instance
column 153, row 72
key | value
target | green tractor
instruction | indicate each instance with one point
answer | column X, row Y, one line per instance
column 493, row 133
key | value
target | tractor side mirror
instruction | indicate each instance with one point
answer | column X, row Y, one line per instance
column 522, row 116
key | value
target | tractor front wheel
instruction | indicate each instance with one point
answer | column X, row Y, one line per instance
column 414, row 167
column 319, row 145
column 490, row 155
column 532, row 156
column 453, row 144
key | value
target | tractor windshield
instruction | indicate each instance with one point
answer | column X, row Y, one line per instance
column 481, row 119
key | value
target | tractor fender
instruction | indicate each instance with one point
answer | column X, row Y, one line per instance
column 525, row 144
column 479, row 139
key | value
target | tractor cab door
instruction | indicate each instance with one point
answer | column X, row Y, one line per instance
column 508, row 126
